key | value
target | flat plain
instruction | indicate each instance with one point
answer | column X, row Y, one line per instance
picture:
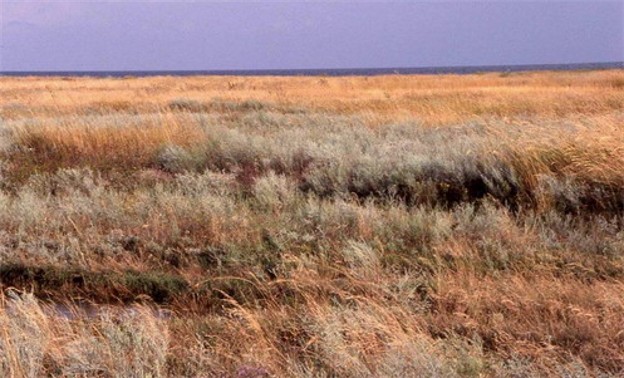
column 386, row 226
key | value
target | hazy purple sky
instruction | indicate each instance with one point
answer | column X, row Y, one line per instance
column 150, row 35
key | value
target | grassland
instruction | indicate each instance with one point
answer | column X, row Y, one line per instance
column 394, row 226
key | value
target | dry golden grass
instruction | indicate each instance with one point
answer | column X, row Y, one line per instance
column 432, row 99
column 393, row 226
column 71, row 142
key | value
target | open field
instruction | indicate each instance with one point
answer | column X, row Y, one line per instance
column 393, row 226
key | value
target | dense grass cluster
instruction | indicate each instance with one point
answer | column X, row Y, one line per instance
column 399, row 226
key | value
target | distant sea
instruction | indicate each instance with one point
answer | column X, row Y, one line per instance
column 331, row 71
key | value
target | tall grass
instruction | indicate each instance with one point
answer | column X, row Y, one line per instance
column 368, row 227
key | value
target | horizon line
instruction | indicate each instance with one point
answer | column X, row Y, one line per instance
column 334, row 71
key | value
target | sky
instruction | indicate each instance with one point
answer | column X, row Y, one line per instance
column 201, row 35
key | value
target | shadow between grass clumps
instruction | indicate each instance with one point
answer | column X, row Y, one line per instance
column 583, row 197
column 432, row 184
column 49, row 281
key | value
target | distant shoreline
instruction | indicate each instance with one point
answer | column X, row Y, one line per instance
column 330, row 71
